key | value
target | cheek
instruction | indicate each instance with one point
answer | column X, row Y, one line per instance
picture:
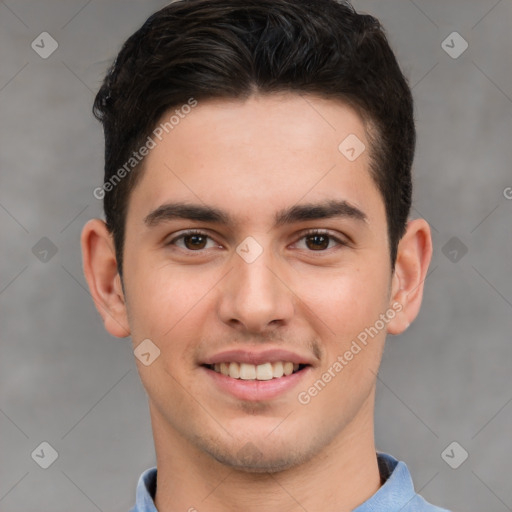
column 166, row 307
column 162, row 300
column 346, row 300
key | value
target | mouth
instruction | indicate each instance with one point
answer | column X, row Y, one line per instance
column 252, row 374
column 260, row 372
column 264, row 382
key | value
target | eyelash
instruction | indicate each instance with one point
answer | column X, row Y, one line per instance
column 310, row 232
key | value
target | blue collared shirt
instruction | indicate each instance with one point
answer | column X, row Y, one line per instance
column 397, row 494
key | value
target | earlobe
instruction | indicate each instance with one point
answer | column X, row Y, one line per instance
column 100, row 270
column 413, row 258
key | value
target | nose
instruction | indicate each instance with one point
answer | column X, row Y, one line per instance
column 255, row 296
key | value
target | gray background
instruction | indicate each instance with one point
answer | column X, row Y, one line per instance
column 64, row 380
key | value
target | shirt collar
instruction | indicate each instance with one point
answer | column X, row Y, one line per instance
column 397, row 490
column 396, row 493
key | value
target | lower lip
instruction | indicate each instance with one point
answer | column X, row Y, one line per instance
column 256, row 390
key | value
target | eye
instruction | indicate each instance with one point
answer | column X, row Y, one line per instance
column 319, row 240
column 193, row 240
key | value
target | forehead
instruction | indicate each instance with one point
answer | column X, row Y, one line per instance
column 258, row 156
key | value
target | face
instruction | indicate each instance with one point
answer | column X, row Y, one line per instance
column 254, row 285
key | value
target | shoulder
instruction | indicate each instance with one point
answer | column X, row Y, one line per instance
column 397, row 490
column 419, row 504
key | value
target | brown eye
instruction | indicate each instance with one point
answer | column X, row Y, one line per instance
column 320, row 241
column 194, row 241
column 316, row 242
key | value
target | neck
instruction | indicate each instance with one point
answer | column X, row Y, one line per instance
column 338, row 479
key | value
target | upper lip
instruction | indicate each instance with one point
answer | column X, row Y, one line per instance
column 257, row 357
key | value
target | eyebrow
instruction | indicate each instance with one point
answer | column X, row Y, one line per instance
column 299, row 213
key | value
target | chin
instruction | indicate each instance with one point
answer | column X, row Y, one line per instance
column 263, row 464
column 250, row 459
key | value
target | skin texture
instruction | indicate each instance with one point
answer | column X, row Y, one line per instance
column 254, row 158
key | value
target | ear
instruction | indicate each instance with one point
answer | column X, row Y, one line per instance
column 413, row 258
column 100, row 269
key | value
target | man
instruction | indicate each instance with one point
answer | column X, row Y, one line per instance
column 257, row 250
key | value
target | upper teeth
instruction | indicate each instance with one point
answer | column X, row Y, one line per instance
column 265, row 371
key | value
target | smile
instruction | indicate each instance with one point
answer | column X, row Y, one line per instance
column 247, row 371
